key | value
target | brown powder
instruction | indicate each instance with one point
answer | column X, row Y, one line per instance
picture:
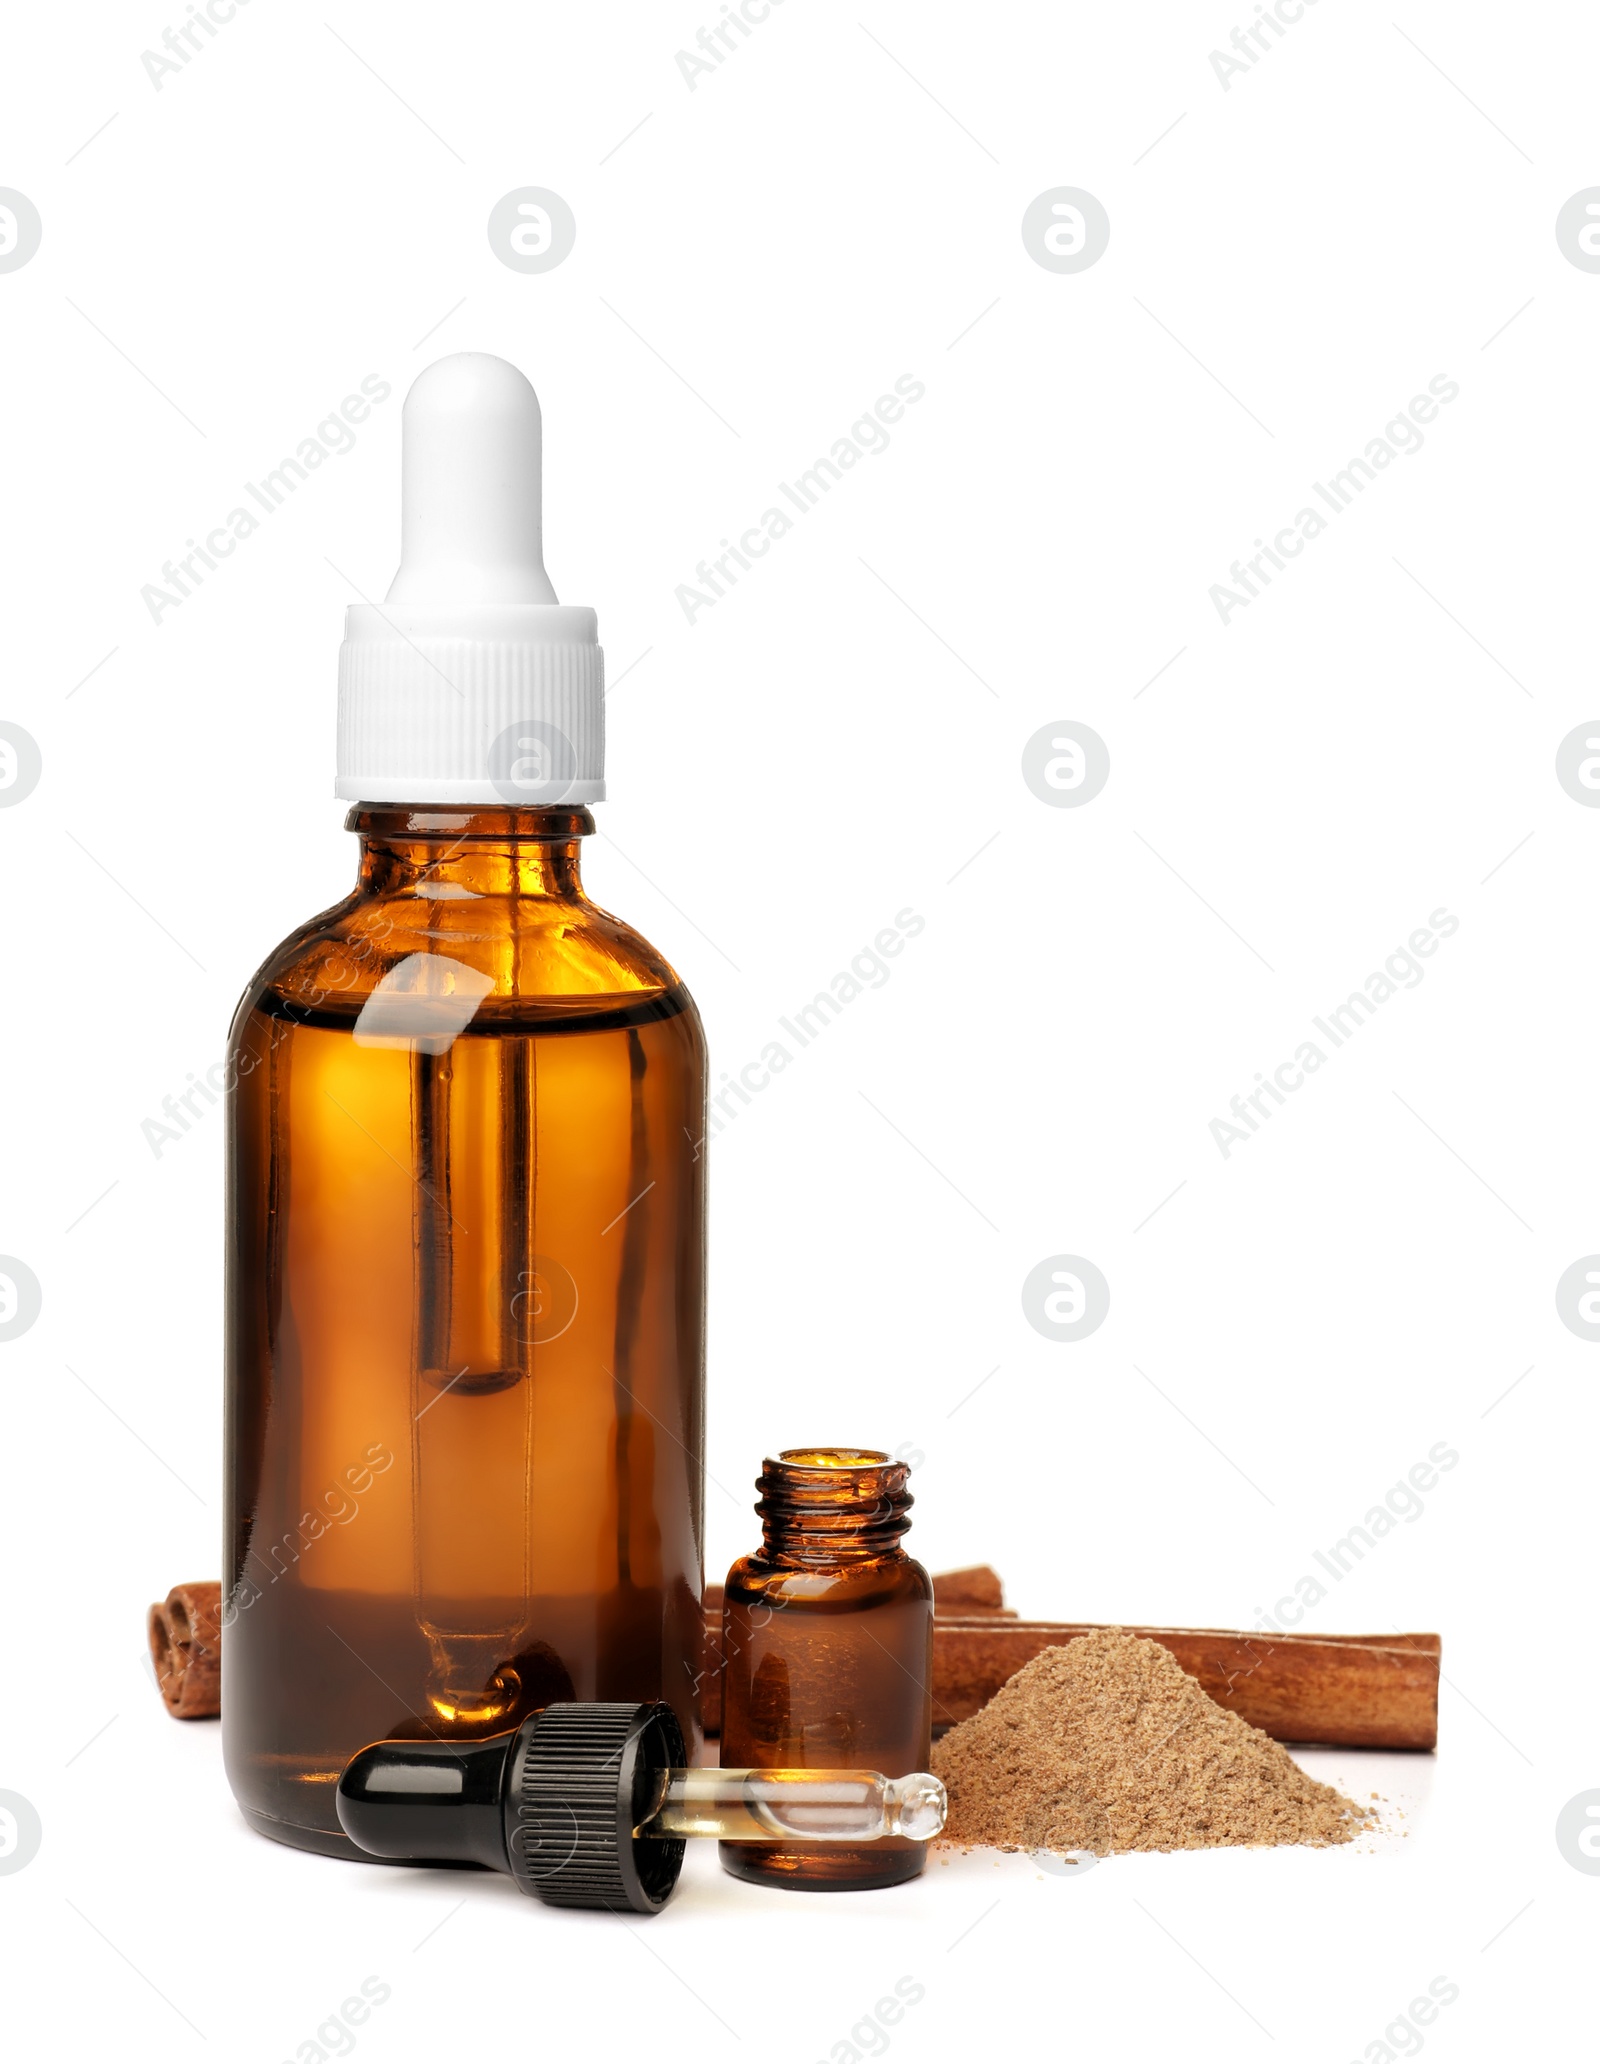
column 1105, row 1744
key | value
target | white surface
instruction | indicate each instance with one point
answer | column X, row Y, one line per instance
column 832, row 741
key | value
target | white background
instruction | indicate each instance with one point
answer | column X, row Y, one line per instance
column 841, row 737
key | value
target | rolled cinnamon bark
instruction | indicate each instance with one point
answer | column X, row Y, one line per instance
column 1373, row 1691
column 1368, row 1691
column 970, row 1591
column 185, row 1646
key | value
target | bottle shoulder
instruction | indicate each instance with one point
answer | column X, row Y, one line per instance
column 853, row 1585
column 518, row 956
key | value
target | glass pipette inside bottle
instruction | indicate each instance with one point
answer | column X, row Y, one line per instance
column 796, row 1806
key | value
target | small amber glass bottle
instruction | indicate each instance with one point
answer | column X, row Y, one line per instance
column 827, row 1642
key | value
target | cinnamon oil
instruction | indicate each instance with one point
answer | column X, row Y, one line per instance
column 465, row 1312
column 828, row 1651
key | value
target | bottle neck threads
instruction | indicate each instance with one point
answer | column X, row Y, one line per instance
column 824, row 1505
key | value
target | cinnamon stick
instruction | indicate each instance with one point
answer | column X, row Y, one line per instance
column 1365, row 1691
column 1369, row 1691
column 974, row 1590
column 1372, row 1691
column 185, row 1646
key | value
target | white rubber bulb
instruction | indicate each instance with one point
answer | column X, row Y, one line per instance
column 471, row 447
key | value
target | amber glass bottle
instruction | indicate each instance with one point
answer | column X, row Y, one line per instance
column 465, row 1312
column 827, row 1634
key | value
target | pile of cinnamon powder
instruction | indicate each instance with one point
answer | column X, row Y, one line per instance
column 1106, row 1745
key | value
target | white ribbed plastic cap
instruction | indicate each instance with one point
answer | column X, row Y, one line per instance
column 470, row 683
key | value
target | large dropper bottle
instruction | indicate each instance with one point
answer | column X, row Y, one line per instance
column 466, row 1183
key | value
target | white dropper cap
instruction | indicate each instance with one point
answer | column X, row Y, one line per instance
column 471, row 454
column 471, row 683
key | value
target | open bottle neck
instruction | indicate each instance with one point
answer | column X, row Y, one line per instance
column 442, row 851
column 821, row 1506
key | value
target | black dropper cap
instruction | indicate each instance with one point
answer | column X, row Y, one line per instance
column 553, row 1804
